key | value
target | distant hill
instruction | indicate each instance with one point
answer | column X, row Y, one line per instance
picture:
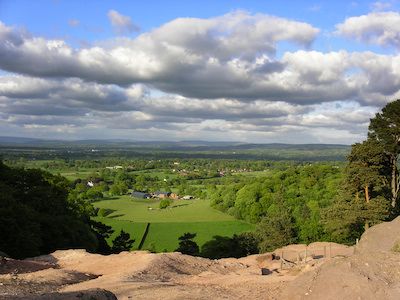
column 95, row 148
column 200, row 145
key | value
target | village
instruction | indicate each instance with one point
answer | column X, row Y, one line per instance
column 160, row 195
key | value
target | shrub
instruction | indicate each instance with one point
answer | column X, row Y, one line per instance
column 165, row 203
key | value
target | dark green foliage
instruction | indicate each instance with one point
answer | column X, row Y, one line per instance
column 219, row 247
column 305, row 190
column 247, row 243
column 367, row 170
column 35, row 216
column 370, row 191
column 237, row 246
column 363, row 200
column 385, row 129
column 118, row 189
column 347, row 218
column 277, row 229
column 122, row 242
column 187, row 245
column 102, row 232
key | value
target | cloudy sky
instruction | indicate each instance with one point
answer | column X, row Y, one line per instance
column 250, row 71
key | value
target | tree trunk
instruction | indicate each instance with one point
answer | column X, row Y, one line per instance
column 366, row 189
column 395, row 183
column 366, row 225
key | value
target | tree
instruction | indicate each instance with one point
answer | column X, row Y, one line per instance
column 219, row 247
column 342, row 219
column 385, row 129
column 187, row 245
column 118, row 189
column 247, row 243
column 122, row 242
column 277, row 228
column 237, row 246
column 102, row 232
column 36, row 216
column 366, row 168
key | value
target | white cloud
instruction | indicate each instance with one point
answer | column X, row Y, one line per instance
column 380, row 28
column 381, row 5
column 181, row 56
column 121, row 24
column 216, row 78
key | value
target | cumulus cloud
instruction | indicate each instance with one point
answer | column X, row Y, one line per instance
column 122, row 24
column 231, row 56
column 182, row 56
column 71, row 104
column 202, row 77
column 380, row 28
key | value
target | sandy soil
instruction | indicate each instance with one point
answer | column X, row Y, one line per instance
column 330, row 271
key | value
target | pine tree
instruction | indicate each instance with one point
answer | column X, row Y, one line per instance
column 385, row 129
column 122, row 242
column 187, row 245
column 366, row 171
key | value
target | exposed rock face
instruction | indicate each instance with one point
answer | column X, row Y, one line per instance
column 373, row 272
column 380, row 238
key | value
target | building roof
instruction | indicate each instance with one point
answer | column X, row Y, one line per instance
column 140, row 194
column 162, row 193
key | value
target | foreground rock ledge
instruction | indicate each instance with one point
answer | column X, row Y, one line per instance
column 373, row 272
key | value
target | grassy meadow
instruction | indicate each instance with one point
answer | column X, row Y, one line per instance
column 168, row 224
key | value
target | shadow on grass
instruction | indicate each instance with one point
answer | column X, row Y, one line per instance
column 105, row 212
column 109, row 198
column 179, row 205
column 115, row 216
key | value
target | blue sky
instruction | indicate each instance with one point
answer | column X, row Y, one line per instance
column 251, row 71
column 51, row 18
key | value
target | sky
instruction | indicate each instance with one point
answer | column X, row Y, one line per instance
column 247, row 71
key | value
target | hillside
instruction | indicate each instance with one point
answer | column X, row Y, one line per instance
column 372, row 272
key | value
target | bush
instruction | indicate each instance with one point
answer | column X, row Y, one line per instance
column 165, row 203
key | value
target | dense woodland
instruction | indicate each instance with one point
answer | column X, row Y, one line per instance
column 289, row 201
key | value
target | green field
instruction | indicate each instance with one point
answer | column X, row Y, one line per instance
column 134, row 229
column 164, row 236
column 168, row 224
column 127, row 208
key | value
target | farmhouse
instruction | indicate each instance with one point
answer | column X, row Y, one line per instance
column 174, row 196
column 162, row 195
column 141, row 195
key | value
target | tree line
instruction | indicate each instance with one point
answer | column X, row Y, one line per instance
column 37, row 216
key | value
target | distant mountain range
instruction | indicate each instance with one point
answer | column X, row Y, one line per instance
column 161, row 145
